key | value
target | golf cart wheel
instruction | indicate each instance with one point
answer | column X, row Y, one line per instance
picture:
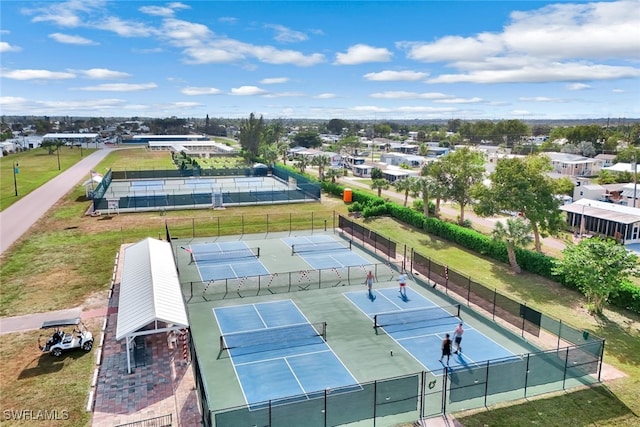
column 87, row 346
column 57, row 352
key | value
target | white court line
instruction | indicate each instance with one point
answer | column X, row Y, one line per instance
column 329, row 347
column 260, row 316
column 296, row 378
column 271, row 359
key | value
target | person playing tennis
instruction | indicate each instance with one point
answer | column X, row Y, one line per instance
column 457, row 338
column 403, row 284
column 446, row 349
column 369, row 281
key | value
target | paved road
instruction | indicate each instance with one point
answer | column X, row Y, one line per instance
column 19, row 217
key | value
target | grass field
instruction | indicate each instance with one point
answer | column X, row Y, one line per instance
column 36, row 167
column 67, row 260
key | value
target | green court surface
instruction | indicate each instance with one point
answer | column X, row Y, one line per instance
column 401, row 387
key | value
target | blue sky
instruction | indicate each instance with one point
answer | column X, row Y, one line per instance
column 366, row 60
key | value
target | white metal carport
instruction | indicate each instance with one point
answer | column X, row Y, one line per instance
column 150, row 299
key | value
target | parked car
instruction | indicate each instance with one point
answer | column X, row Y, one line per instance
column 59, row 340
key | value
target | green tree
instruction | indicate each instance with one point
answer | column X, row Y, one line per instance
column 511, row 131
column 302, row 163
column 382, row 129
column 427, row 187
column 460, row 171
column 351, row 144
column 251, row 130
column 308, row 139
column 321, row 162
column 605, row 177
column 522, row 185
column 333, row 174
column 376, row 173
column 380, row 184
column 269, row 153
column 51, row 145
column 406, row 186
column 337, row 126
column 596, row 267
column 563, row 185
column 515, row 235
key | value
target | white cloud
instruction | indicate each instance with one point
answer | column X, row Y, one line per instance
column 473, row 100
column 27, row 74
column 287, row 35
column 184, row 33
column 453, row 48
column 120, row 87
column 408, row 95
column 200, row 91
column 325, row 96
column 389, row 76
column 362, row 54
column 6, row 47
column 14, row 105
column 104, row 74
column 247, row 91
column 70, row 39
column 540, row 99
column 64, row 14
column 228, row 51
column 542, row 73
column 124, row 28
column 274, row 80
column 284, row 94
column 578, row 86
column 558, row 42
column 619, row 91
column 167, row 11
column 228, row 19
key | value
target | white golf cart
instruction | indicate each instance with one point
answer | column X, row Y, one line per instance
column 61, row 341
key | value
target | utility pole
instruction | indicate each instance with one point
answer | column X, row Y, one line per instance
column 635, row 177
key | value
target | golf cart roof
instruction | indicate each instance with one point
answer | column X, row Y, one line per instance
column 58, row 323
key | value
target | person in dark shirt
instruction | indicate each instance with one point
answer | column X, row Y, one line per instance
column 446, row 348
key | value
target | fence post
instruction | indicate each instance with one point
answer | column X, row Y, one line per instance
column 325, row 225
column 486, row 383
column 524, row 315
column 242, row 221
column 526, row 375
column 193, row 228
column 468, row 290
column 566, row 361
column 375, row 401
column 493, row 314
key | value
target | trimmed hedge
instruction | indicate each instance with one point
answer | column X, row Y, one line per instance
column 628, row 296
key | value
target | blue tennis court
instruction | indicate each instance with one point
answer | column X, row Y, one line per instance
column 324, row 251
column 227, row 260
column 278, row 355
column 419, row 326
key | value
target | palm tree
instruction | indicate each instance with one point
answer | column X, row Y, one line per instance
column 321, row 162
column 333, row 174
column 427, row 187
column 380, row 184
column 517, row 234
column 406, row 185
column 303, row 162
column 283, row 148
column 269, row 154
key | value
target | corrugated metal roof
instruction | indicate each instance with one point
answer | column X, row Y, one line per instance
column 608, row 211
column 149, row 288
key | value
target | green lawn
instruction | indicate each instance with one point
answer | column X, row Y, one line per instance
column 35, row 168
column 67, row 258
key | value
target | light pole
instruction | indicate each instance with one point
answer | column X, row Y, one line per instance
column 15, row 181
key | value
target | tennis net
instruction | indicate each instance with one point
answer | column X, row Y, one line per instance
column 276, row 338
column 425, row 315
column 319, row 247
column 220, row 256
